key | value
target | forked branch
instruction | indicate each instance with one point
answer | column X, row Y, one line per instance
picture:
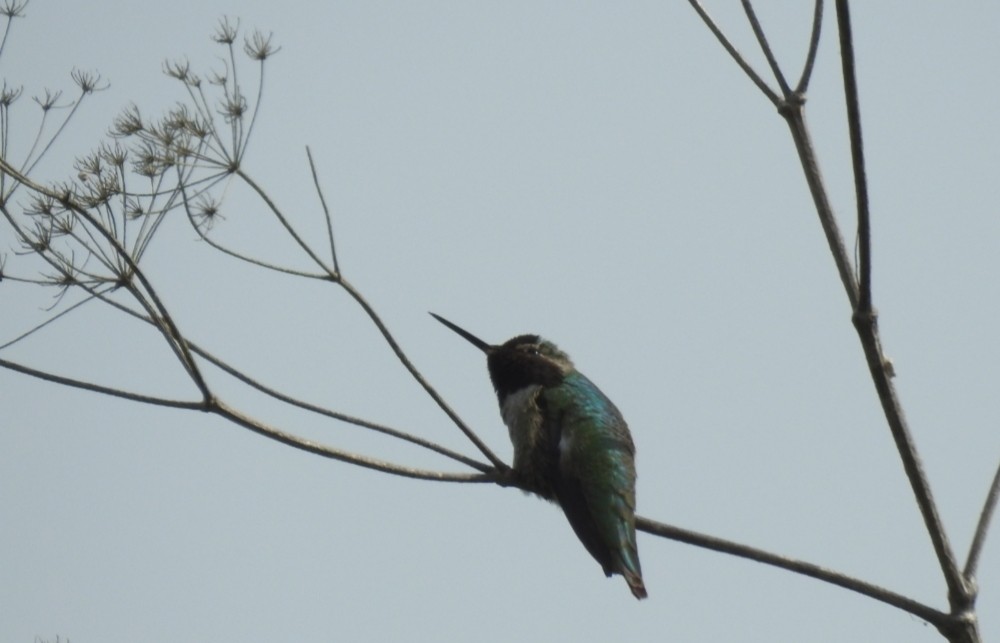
column 929, row 614
column 960, row 624
column 866, row 323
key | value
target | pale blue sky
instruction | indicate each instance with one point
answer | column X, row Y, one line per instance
column 598, row 173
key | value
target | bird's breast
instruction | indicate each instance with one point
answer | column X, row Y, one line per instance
column 523, row 419
column 534, row 459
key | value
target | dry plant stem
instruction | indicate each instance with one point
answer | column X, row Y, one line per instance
column 864, row 306
column 29, row 163
column 336, row 277
column 488, row 473
column 221, row 409
column 245, row 136
column 156, row 308
column 728, row 46
column 105, row 390
column 6, row 31
column 765, row 47
column 249, row 381
column 807, row 69
column 868, row 334
column 794, row 116
column 959, row 595
column 469, row 433
column 45, row 323
column 218, row 408
column 378, row 428
column 386, row 335
column 937, row 618
column 975, row 549
column 326, row 210
column 961, row 624
column 284, row 222
column 356, row 295
column 238, row 255
column 866, row 323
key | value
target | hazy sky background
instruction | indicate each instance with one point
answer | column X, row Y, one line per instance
column 599, row 173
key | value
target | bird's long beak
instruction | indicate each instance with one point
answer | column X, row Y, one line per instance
column 475, row 341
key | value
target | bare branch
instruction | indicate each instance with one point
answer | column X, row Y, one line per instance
column 309, row 446
column 979, row 538
column 259, row 48
column 795, row 118
column 737, row 56
column 326, row 210
column 284, row 221
column 222, row 410
column 97, row 388
column 864, row 306
column 164, row 320
column 278, row 395
column 866, row 323
column 11, row 9
column 765, row 46
column 929, row 614
column 343, row 417
column 88, row 84
column 807, row 70
column 48, row 321
column 961, row 623
column 238, row 255
column 469, row 433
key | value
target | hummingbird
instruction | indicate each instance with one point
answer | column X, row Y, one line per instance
column 571, row 446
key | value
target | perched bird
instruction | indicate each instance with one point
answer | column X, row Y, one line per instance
column 571, row 445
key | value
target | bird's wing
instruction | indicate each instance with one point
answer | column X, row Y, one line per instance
column 596, row 482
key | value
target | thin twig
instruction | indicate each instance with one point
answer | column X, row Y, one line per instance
column 97, row 388
column 222, row 410
column 326, row 210
column 929, row 614
column 27, row 169
column 857, row 158
column 238, row 255
column 979, row 538
column 765, row 46
column 343, row 417
column 48, row 321
column 165, row 321
column 215, row 406
column 245, row 136
column 744, row 65
column 6, row 30
column 152, row 315
column 204, row 109
column 233, row 95
column 961, row 624
column 807, row 70
column 795, row 118
column 42, row 124
column 164, row 324
column 866, row 323
column 401, row 356
column 155, row 214
column 283, row 220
